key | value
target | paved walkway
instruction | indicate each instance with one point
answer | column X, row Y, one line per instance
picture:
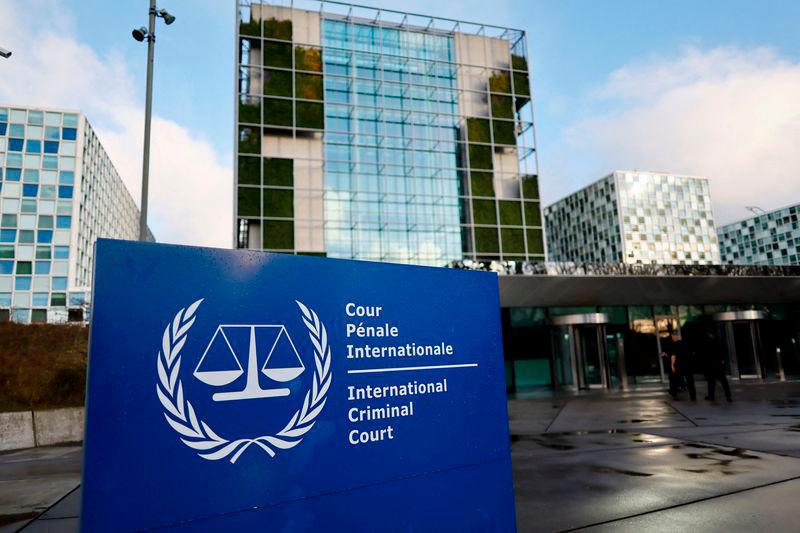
column 635, row 461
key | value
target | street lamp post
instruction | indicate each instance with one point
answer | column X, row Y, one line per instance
column 140, row 34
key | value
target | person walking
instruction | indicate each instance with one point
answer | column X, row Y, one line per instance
column 715, row 367
column 681, row 370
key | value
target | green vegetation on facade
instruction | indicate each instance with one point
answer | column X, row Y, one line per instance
column 278, row 171
column 482, row 183
column 248, row 171
column 486, row 241
column 533, row 214
column 530, row 187
column 513, row 241
column 277, row 112
column 503, row 131
column 249, row 140
column 277, row 82
column 484, row 212
column 249, row 113
column 277, row 29
column 277, row 54
column 307, row 59
column 535, row 241
column 480, row 156
column 478, row 130
column 510, row 212
column 278, row 235
column 278, row 202
column 248, row 203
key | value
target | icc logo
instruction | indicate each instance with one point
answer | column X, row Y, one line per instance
column 233, row 351
column 230, row 342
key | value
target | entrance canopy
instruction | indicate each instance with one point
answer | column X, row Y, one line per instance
column 522, row 290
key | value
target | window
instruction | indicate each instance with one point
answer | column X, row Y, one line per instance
column 61, row 252
column 42, row 267
column 33, row 146
column 69, row 134
column 15, row 145
column 24, row 267
column 64, row 191
column 22, row 283
column 45, row 236
column 50, row 147
column 41, row 299
column 59, row 284
column 58, row 299
column 64, row 222
column 8, row 235
column 30, row 191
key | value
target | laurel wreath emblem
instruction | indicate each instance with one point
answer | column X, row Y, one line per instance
column 196, row 434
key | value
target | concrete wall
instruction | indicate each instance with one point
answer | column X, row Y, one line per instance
column 27, row 429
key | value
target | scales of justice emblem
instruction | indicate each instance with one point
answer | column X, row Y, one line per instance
column 221, row 365
column 221, row 362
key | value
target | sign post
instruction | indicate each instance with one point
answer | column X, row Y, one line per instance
column 244, row 390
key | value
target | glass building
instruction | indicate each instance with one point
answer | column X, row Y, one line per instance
column 59, row 191
column 635, row 218
column 769, row 239
column 373, row 134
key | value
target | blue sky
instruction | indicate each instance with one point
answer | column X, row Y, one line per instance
column 588, row 59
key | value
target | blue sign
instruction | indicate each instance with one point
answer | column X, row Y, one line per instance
column 236, row 390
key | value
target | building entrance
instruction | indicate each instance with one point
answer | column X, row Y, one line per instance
column 739, row 332
column 580, row 355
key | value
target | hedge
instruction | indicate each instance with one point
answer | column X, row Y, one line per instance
column 502, row 106
column 308, row 86
column 500, row 82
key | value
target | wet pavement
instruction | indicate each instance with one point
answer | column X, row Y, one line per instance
column 599, row 461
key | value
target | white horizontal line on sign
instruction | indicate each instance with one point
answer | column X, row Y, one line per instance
column 405, row 368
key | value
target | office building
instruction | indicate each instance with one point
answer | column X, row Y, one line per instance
column 635, row 218
column 59, row 191
column 373, row 134
column 769, row 239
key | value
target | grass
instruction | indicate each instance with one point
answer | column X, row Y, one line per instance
column 42, row 366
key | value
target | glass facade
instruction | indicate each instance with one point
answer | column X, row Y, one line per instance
column 379, row 135
column 58, row 193
column 769, row 239
column 635, row 218
column 620, row 346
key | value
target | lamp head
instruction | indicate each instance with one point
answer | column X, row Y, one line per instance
column 168, row 19
column 140, row 34
column 5, row 53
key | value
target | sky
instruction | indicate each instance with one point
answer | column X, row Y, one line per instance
column 706, row 88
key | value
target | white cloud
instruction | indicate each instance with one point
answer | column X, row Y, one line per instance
column 730, row 114
column 190, row 184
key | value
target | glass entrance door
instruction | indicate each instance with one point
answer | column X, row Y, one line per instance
column 591, row 356
column 744, row 339
column 740, row 338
